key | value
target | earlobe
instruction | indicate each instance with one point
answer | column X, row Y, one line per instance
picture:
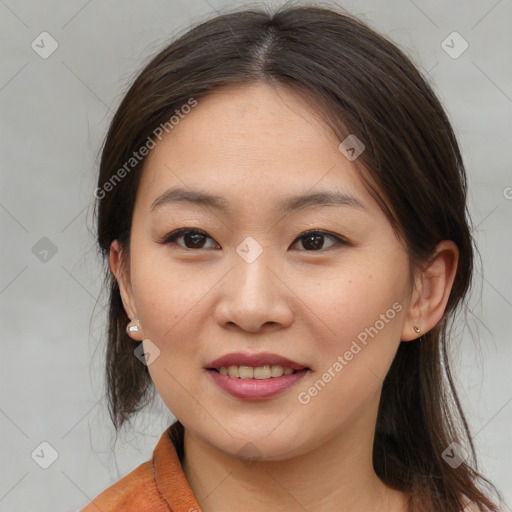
column 134, row 330
column 433, row 284
column 123, row 279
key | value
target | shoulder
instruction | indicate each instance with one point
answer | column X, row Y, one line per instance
column 135, row 492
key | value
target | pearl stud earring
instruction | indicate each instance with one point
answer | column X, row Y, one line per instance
column 133, row 330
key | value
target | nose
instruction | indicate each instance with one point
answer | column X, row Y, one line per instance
column 254, row 297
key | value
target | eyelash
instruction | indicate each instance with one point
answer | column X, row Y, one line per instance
column 171, row 237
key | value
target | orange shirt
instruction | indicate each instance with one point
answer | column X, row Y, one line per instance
column 157, row 485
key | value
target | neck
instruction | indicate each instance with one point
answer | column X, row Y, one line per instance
column 338, row 474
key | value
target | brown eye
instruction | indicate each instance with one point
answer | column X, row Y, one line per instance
column 314, row 240
column 192, row 238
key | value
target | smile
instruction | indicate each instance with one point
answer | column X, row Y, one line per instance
column 259, row 372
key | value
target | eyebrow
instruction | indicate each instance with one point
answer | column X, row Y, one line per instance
column 294, row 203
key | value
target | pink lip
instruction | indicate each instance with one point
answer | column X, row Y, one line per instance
column 255, row 389
column 262, row 359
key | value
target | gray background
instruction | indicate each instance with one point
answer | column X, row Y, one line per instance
column 55, row 112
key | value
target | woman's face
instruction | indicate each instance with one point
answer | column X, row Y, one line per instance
column 334, row 302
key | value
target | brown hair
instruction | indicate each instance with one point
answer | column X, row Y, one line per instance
column 362, row 84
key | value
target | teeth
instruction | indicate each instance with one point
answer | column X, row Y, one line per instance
column 262, row 372
column 250, row 372
column 233, row 371
column 246, row 372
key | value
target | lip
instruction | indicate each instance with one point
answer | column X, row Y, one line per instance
column 256, row 389
column 262, row 359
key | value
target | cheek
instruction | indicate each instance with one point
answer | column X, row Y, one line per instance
column 167, row 294
column 172, row 306
column 353, row 363
column 360, row 315
column 354, row 299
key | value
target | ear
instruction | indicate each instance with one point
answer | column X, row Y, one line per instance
column 123, row 279
column 431, row 290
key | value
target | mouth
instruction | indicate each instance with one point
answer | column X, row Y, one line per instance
column 264, row 365
column 255, row 376
column 258, row 373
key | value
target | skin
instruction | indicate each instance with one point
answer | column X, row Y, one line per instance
column 255, row 145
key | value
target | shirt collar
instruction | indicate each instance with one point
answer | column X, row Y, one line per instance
column 170, row 478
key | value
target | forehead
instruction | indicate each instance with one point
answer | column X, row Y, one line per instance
column 249, row 144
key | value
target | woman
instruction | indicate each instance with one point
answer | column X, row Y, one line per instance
column 282, row 202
